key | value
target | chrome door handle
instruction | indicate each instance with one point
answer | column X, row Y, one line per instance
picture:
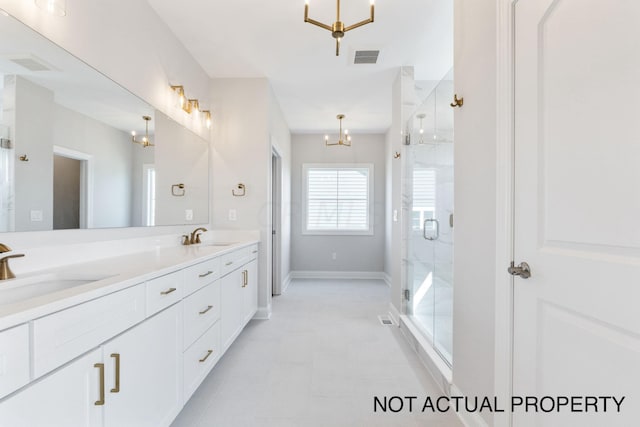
column 523, row 270
column 424, row 229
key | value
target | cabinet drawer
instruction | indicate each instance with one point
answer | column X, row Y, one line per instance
column 200, row 358
column 233, row 260
column 60, row 337
column 164, row 291
column 201, row 310
column 14, row 359
column 200, row 275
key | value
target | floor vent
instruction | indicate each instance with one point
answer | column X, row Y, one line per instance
column 385, row 320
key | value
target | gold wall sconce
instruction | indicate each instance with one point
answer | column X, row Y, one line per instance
column 338, row 28
column 145, row 141
column 178, row 190
column 242, row 190
column 24, row 158
column 179, row 90
column 343, row 138
column 207, row 118
column 457, row 102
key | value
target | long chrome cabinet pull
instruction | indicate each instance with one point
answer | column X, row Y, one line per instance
column 207, row 356
column 205, row 274
column 100, row 367
column 168, row 291
column 206, row 309
column 116, row 389
column 229, row 263
column 244, row 278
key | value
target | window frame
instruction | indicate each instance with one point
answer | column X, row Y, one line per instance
column 336, row 166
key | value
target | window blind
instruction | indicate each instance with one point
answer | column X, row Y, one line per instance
column 338, row 199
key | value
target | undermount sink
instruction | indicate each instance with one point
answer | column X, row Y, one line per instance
column 18, row 290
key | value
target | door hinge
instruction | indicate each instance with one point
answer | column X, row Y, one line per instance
column 407, row 295
column 273, row 232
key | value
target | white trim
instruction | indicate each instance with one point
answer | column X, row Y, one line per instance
column 365, row 275
column 440, row 371
column 503, row 346
column 370, row 196
column 387, row 279
column 472, row 419
column 394, row 313
column 263, row 313
column 286, row 283
column 86, row 182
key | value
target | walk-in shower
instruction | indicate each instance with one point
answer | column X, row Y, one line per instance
column 428, row 207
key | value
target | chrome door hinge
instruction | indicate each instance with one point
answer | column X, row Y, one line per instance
column 407, row 295
column 523, row 270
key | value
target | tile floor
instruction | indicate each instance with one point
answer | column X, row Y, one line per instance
column 319, row 361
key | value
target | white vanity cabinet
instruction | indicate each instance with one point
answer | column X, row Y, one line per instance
column 130, row 358
column 143, row 373
column 239, row 291
column 64, row 398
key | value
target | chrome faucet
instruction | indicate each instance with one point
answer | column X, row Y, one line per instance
column 5, row 271
column 194, row 238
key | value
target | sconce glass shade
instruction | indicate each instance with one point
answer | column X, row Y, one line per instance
column 54, row 7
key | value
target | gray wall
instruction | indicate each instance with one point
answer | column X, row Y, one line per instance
column 354, row 253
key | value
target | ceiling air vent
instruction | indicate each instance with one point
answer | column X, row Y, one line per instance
column 366, row 56
column 31, row 63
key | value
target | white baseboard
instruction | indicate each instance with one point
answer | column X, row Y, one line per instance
column 394, row 314
column 285, row 283
column 387, row 279
column 263, row 313
column 469, row 419
column 368, row 275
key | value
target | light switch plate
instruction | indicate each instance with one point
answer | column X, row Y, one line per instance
column 233, row 215
column 188, row 214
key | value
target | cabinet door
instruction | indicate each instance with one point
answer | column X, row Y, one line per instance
column 231, row 310
column 250, row 291
column 144, row 373
column 67, row 397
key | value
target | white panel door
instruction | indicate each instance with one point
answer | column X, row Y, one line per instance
column 577, row 210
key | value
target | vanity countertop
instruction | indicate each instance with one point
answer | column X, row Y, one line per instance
column 112, row 274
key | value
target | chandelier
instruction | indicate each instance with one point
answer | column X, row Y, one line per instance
column 343, row 138
column 337, row 28
column 145, row 142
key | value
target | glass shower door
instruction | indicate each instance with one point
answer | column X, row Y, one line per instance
column 429, row 191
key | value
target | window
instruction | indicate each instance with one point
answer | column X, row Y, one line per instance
column 338, row 198
column 424, row 197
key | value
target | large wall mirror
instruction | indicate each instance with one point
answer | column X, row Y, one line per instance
column 67, row 155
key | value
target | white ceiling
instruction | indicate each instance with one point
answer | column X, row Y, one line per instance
column 257, row 38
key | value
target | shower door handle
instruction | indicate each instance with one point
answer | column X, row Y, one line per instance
column 424, row 229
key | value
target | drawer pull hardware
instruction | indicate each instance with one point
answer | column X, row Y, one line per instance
column 245, row 278
column 116, row 389
column 206, row 309
column 168, row 291
column 254, row 252
column 100, row 367
column 205, row 274
column 207, row 356
column 229, row 263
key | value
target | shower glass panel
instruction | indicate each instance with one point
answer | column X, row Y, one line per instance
column 429, row 195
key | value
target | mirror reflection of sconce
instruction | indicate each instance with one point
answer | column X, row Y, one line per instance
column 178, row 190
column 242, row 190
column 396, row 155
column 24, row 158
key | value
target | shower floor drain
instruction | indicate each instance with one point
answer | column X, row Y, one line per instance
column 385, row 320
